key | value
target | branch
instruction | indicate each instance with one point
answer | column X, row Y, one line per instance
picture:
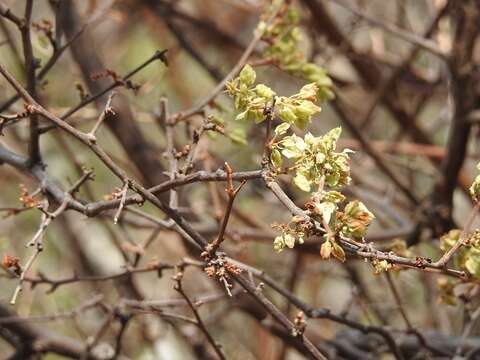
column 415, row 39
column 8, row 14
column 179, row 288
column 462, row 241
column 183, row 115
column 232, row 192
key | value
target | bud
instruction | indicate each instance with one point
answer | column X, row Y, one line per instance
column 264, row 92
column 247, row 75
column 326, row 250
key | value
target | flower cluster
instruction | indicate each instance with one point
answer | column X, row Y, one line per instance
column 467, row 257
column 27, row 199
column 350, row 222
column 293, row 232
column 315, row 160
column 253, row 100
column 284, row 38
column 318, row 166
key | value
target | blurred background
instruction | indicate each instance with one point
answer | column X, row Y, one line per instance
column 404, row 75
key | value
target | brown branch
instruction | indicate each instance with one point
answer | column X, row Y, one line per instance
column 257, row 294
column 8, row 14
column 37, row 242
column 362, row 250
column 398, row 301
column 158, row 55
column 107, row 111
column 75, row 278
column 199, row 322
column 415, row 39
column 79, row 310
column 232, row 192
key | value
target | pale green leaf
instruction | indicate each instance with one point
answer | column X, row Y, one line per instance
column 282, row 129
column 302, row 182
column 247, row 75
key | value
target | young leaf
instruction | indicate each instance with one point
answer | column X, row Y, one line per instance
column 302, row 182
column 264, row 92
column 278, row 243
column 289, row 240
column 309, row 92
column 238, row 136
column 287, row 114
column 247, row 75
column 281, row 129
column 338, row 252
column 326, row 209
column 326, row 250
column 276, row 159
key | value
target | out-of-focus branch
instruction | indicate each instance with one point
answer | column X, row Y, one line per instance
column 32, row 339
column 465, row 99
column 396, row 31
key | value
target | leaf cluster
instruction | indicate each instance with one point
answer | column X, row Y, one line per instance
column 253, row 100
column 467, row 257
column 284, row 38
column 316, row 163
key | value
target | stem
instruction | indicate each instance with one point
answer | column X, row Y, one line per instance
column 443, row 261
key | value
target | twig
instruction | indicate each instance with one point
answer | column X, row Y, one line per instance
column 123, row 195
column 38, row 243
column 95, row 338
column 124, row 321
column 170, row 150
column 279, row 316
column 47, row 218
column 398, row 301
column 31, row 64
column 107, row 111
column 93, row 302
column 192, row 147
column 232, row 192
column 75, row 278
column 402, row 34
column 179, row 288
column 200, row 176
column 161, row 303
column 158, row 55
column 27, row 267
column 8, row 14
column 238, row 66
column 284, row 199
column 48, row 66
column 443, row 261
column 87, row 175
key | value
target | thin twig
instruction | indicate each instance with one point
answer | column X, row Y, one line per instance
column 398, row 301
column 232, row 193
column 93, row 302
column 123, row 196
column 443, row 261
column 235, row 70
column 402, row 34
column 107, row 111
column 199, row 322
